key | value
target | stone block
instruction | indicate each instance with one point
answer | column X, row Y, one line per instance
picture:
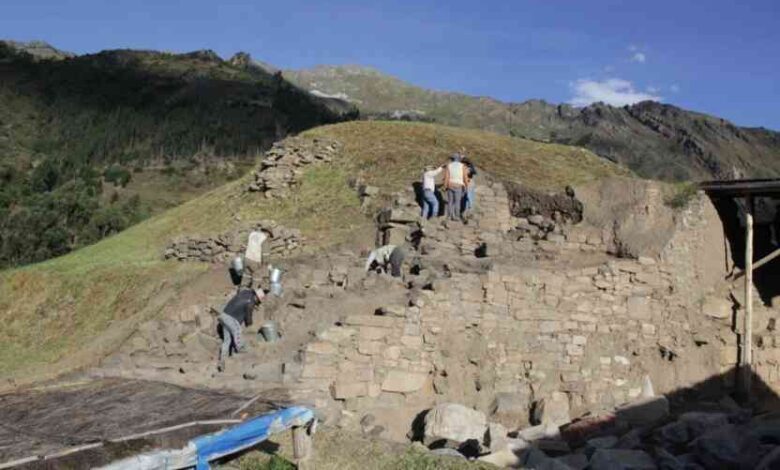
column 401, row 381
column 512, row 409
column 584, row 318
column 351, row 371
column 380, row 321
column 638, row 307
column 414, row 342
column 717, row 308
column 315, row 371
column 579, row 340
column 336, row 334
column 552, row 410
column 370, row 348
column 372, row 333
column 454, row 422
column 345, row 390
column 392, row 352
column 549, row 326
column 321, row 347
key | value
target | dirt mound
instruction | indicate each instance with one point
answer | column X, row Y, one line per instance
column 633, row 213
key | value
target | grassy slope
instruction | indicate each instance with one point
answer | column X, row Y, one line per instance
column 69, row 311
column 392, row 154
column 334, row 449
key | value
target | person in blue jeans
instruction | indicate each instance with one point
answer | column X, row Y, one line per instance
column 471, row 188
column 430, row 202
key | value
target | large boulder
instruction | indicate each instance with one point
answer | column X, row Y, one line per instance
column 552, row 410
column 727, row 447
column 511, row 409
column 644, row 412
column 454, row 422
column 621, row 459
column 699, row 422
column 718, row 308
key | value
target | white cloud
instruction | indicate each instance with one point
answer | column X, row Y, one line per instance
column 652, row 89
column 675, row 88
column 633, row 48
column 613, row 91
column 639, row 57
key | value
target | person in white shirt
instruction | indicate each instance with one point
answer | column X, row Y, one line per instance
column 387, row 256
column 430, row 200
column 456, row 180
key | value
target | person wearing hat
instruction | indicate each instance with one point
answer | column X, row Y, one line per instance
column 455, row 181
column 236, row 312
column 430, row 201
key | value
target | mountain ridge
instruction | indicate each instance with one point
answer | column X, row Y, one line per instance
column 657, row 140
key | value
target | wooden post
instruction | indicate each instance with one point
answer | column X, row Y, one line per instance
column 301, row 447
column 747, row 330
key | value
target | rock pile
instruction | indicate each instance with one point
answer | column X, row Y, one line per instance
column 282, row 241
column 642, row 434
column 282, row 165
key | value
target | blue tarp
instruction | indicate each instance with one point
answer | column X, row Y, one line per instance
column 248, row 434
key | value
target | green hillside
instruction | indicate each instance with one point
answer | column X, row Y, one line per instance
column 70, row 311
column 91, row 144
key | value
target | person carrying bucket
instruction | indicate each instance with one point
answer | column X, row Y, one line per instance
column 236, row 312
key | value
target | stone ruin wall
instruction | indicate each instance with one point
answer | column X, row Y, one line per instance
column 500, row 340
column 281, row 242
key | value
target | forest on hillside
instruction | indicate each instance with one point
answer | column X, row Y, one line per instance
column 72, row 129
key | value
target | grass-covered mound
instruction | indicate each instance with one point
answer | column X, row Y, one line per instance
column 70, row 311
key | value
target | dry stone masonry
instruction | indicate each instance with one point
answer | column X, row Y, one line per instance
column 282, row 166
column 503, row 329
column 281, row 242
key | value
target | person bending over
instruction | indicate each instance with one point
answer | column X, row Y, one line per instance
column 388, row 256
column 236, row 312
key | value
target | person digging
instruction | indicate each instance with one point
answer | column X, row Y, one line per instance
column 236, row 312
column 387, row 258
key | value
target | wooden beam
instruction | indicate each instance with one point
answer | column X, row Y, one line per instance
column 747, row 330
column 302, row 447
column 758, row 264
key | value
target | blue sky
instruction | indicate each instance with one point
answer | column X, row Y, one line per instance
column 712, row 56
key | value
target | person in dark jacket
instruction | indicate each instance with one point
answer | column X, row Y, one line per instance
column 236, row 312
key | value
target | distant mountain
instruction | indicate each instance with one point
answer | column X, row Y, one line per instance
column 78, row 132
column 655, row 140
column 38, row 49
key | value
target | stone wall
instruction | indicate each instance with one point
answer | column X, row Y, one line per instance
column 569, row 320
column 282, row 165
column 281, row 242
